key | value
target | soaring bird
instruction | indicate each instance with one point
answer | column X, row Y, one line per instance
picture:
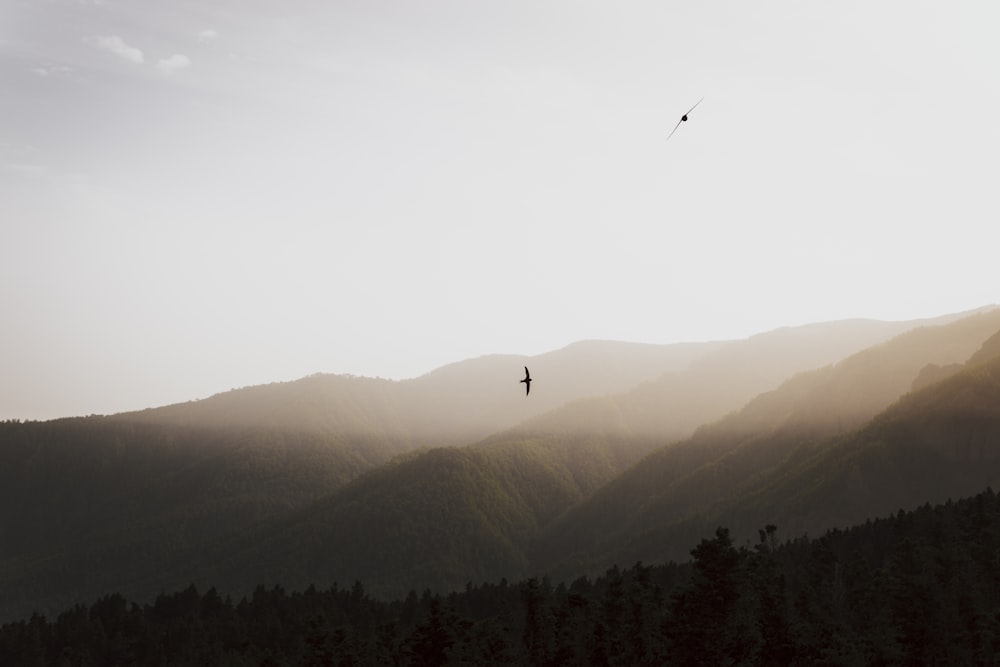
column 683, row 119
column 527, row 381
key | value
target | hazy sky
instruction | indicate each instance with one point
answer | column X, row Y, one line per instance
column 200, row 195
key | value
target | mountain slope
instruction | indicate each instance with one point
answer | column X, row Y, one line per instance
column 434, row 519
column 454, row 404
column 937, row 443
column 449, row 516
column 475, row 398
column 88, row 502
column 673, row 405
column 629, row 519
column 157, row 498
column 914, row 588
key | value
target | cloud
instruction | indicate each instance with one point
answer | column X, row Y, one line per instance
column 207, row 35
column 46, row 71
column 22, row 168
column 116, row 45
column 20, row 159
column 173, row 63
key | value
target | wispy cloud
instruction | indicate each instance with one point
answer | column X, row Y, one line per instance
column 116, row 45
column 20, row 159
column 207, row 35
column 25, row 169
column 173, row 63
column 46, row 71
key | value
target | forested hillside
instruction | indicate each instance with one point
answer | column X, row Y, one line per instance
column 675, row 495
column 940, row 442
column 135, row 500
column 432, row 520
column 917, row 587
column 87, row 501
column 328, row 478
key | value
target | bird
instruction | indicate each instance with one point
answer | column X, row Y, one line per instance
column 683, row 119
column 527, row 381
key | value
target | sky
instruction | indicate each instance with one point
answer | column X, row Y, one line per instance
column 202, row 195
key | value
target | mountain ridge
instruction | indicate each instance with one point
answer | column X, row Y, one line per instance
column 148, row 499
column 680, row 479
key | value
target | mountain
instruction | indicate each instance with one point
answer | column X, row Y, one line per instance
column 674, row 404
column 455, row 404
column 435, row 519
column 84, row 502
column 306, row 480
column 916, row 587
column 127, row 499
column 938, row 443
column 506, row 508
column 754, row 458
column 469, row 400
column 442, row 518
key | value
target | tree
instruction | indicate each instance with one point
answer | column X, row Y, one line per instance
column 707, row 624
column 536, row 622
column 430, row 641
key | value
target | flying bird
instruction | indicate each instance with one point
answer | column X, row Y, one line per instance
column 527, row 381
column 683, row 119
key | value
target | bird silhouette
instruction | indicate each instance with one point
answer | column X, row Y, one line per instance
column 683, row 119
column 527, row 381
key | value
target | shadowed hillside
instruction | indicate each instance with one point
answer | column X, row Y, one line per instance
column 937, row 443
column 436, row 519
column 914, row 588
column 679, row 485
column 127, row 498
column 86, row 501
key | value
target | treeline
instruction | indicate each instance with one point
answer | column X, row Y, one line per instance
column 921, row 587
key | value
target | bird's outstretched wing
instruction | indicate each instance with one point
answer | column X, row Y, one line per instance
column 527, row 375
column 695, row 104
column 673, row 130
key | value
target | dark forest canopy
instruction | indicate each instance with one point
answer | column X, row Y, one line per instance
column 919, row 587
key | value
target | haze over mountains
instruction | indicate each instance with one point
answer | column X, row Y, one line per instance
column 622, row 452
column 728, row 467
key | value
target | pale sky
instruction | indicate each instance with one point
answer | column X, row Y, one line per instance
column 197, row 195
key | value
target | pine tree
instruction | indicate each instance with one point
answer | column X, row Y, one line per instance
column 707, row 622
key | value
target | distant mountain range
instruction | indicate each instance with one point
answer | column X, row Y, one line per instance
column 755, row 466
column 621, row 452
